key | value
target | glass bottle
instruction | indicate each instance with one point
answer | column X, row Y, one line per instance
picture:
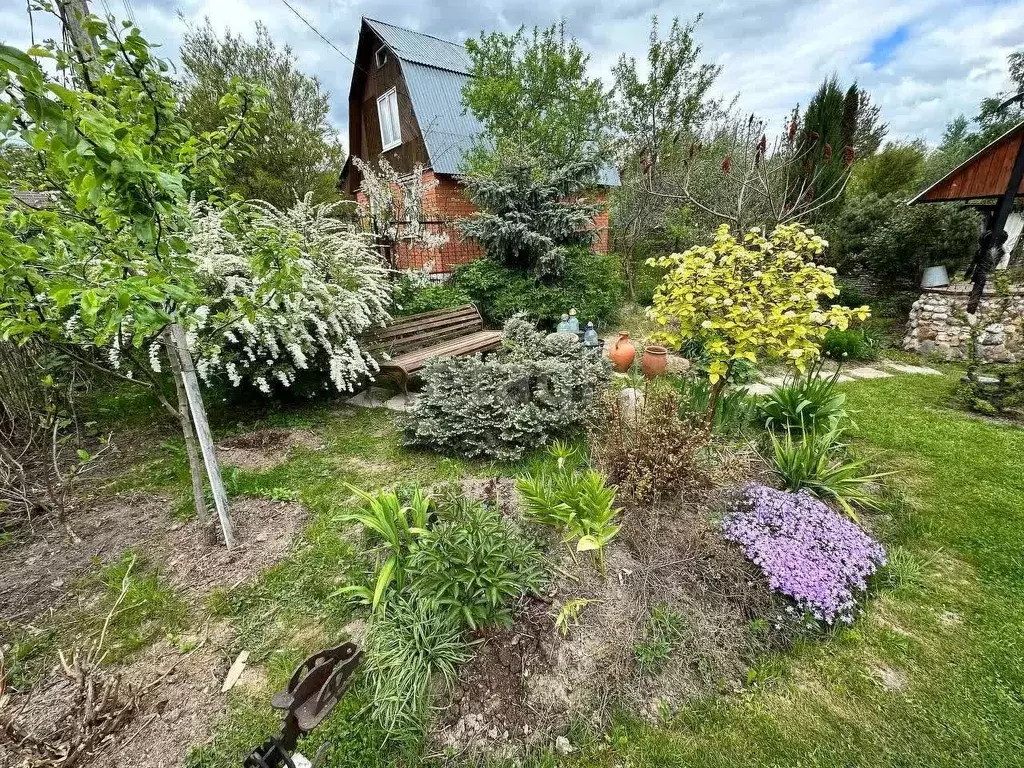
column 574, row 322
column 563, row 327
column 590, row 336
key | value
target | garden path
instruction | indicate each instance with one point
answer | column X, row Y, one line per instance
column 881, row 370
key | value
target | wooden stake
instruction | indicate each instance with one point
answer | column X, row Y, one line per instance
column 195, row 404
column 194, row 465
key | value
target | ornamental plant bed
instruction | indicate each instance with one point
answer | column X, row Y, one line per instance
column 529, row 682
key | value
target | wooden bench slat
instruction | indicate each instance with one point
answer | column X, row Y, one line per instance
column 432, row 319
column 411, row 341
column 415, row 360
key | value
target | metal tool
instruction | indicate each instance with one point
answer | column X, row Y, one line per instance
column 314, row 689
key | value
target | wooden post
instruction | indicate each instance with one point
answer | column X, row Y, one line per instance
column 184, row 413
column 72, row 14
column 195, row 404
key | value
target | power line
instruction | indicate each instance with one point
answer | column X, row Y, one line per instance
column 320, row 35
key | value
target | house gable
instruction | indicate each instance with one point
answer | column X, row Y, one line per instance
column 378, row 71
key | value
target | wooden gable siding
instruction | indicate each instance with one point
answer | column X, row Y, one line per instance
column 984, row 175
column 369, row 83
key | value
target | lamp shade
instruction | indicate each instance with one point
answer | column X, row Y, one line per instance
column 935, row 277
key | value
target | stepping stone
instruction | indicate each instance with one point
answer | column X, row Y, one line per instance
column 867, row 372
column 774, row 381
column 383, row 398
column 758, row 389
column 904, row 368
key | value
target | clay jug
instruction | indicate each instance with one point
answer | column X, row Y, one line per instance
column 623, row 353
column 654, row 361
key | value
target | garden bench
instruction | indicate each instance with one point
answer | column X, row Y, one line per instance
column 407, row 344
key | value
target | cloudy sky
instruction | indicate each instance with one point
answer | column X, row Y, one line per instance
column 924, row 61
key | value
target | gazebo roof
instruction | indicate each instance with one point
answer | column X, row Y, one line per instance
column 985, row 175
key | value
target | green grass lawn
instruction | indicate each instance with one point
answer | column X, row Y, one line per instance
column 933, row 674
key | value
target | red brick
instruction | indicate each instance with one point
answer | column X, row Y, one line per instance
column 444, row 205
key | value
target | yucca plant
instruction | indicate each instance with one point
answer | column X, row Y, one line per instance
column 398, row 526
column 817, row 461
column 807, row 401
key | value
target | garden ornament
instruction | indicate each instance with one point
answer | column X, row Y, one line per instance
column 314, row 689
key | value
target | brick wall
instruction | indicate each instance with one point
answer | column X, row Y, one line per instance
column 445, row 204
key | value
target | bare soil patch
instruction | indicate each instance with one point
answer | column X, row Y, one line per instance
column 528, row 683
column 40, row 579
column 265, row 448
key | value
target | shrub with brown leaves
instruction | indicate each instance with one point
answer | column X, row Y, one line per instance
column 647, row 450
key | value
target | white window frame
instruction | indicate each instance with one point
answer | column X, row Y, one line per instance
column 387, row 116
column 381, row 60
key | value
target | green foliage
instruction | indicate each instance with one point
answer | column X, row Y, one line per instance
column 142, row 607
column 816, row 461
column 299, row 151
column 534, row 98
column 671, row 97
column 577, row 502
column 407, row 648
column 897, row 170
column 534, row 390
column 398, row 526
column 829, row 125
column 734, row 410
column 412, row 297
column 474, row 562
column 808, row 402
column 123, row 161
column 590, row 282
column 664, row 629
column 894, row 242
column 529, row 218
column 758, row 297
column 851, row 344
column 1005, row 397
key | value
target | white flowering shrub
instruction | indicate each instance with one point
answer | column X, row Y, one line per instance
column 394, row 208
column 288, row 294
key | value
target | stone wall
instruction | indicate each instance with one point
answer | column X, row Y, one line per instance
column 939, row 324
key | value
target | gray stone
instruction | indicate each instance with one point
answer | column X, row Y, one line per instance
column 563, row 747
column 866, row 372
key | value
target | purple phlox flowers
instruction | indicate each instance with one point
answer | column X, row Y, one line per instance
column 809, row 552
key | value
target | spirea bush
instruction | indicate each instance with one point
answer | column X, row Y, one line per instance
column 532, row 391
column 807, row 551
column 288, row 294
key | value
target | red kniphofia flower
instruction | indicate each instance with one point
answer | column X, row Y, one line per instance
column 848, row 156
column 828, row 154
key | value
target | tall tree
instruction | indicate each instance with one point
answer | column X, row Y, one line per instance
column 896, row 170
column 538, row 104
column 299, row 150
column 829, row 127
column 870, row 130
column 655, row 113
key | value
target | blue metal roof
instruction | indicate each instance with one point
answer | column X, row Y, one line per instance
column 448, row 129
column 436, row 71
column 422, row 49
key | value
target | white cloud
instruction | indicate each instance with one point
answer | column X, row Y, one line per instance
column 773, row 52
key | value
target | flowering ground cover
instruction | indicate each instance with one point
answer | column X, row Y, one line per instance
column 808, row 551
column 933, row 674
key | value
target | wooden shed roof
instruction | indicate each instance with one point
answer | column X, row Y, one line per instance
column 985, row 175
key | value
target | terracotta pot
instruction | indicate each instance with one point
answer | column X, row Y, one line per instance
column 623, row 353
column 654, row 361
